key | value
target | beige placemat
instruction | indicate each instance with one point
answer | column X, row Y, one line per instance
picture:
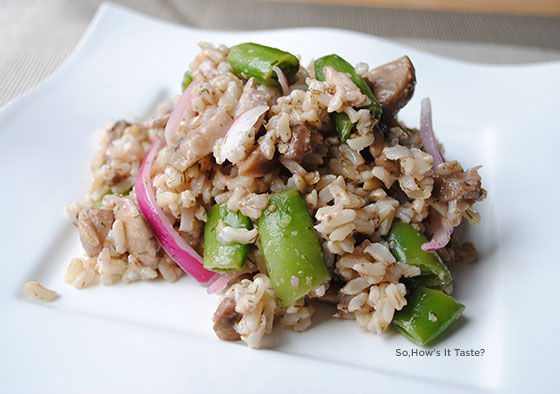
column 37, row 35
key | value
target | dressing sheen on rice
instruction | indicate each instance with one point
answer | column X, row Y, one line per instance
column 242, row 138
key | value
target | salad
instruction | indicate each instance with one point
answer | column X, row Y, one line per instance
column 278, row 186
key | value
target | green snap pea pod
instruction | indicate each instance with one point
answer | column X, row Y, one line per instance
column 343, row 125
column 343, row 66
column 290, row 247
column 424, row 280
column 427, row 314
column 219, row 256
column 405, row 243
column 187, row 79
column 255, row 60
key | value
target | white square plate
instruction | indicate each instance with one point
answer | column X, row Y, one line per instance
column 155, row 336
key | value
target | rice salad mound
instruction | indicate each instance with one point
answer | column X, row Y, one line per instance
column 279, row 186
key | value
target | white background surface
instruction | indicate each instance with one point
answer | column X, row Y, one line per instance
column 158, row 337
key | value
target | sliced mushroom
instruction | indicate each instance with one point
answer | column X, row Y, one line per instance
column 94, row 225
column 142, row 243
column 392, row 84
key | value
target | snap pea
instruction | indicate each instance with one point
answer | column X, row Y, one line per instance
column 424, row 280
column 343, row 66
column 219, row 256
column 427, row 314
column 343, row 125
column 405, row 243
column 255, row 60
column 187, row 79
column 291, row 249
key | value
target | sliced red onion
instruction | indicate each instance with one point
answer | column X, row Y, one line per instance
column 181, row 108
column 237, row 134
column 427, row 132
column 220, row 283
column 247, row 120
column 170, row 240
column 442, row 234
column 442, row 228
column 282, row 79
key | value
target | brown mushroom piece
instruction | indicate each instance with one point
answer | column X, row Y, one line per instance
column 256, row 164
column 142, row 243
column 225, row 319
column 94, row 225
column 304, row 140
column 200, row 141
column 464, row 185
column 250, row 98
column 392, row 84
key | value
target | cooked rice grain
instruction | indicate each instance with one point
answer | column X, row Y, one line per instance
column 39, row 292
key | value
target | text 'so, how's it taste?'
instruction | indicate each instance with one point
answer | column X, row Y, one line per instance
column 446, row 352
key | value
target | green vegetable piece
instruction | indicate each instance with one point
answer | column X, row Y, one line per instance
column 255, row 60
column 99, row 202
column 342, row 65
column 291, row 248
column 187, row 79
column 405, row 242
column 224, row 257
column 343, row 125
column 427, row 314
column 424, row 280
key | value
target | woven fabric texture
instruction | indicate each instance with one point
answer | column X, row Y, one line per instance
column 37, row 35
